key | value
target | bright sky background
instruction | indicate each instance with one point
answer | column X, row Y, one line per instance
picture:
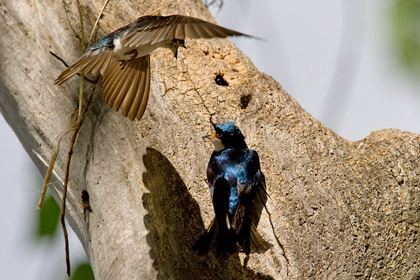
column 334, row 57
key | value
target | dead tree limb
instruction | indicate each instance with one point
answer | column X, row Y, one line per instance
column 340, row 209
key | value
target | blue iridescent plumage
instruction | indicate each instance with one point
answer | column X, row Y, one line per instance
column 227, row 127
column 233, row 175
column 106, row 42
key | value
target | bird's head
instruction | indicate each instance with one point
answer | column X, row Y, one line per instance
column 175, row 44
column 226, row 135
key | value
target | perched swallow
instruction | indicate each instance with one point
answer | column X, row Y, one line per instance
column 122, row 58
column 233, row 175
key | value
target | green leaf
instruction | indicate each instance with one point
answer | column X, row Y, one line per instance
column 405, row 23
column 48, row 217
column 82, row 272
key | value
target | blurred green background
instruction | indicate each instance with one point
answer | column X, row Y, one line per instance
column 405, row 32
column 47, row 227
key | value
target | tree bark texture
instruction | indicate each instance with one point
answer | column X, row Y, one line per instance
column 339, row 209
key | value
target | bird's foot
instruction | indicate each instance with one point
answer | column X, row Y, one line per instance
column 133, row 54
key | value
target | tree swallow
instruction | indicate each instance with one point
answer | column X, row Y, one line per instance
column 122, row 58
column 233, row 175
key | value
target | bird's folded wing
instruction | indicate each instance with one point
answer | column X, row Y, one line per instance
column 175, row 27
column 249, row 174
column 91, row 62
column 128, row 87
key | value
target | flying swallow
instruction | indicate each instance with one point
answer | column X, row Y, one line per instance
column 122, row 58
column 233, row 175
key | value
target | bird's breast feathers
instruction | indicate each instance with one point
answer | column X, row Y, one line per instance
column 238, row 168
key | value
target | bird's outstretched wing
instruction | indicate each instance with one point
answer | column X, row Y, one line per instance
column 128, row 88
column 96, row 62
column 154, row 29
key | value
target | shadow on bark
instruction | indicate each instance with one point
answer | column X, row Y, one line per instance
column 174, row 224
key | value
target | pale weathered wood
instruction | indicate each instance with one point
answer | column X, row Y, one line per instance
column 340, row 209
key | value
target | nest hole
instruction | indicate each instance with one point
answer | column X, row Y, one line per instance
column 220, row 80
column 245, row 99
column 85, row 201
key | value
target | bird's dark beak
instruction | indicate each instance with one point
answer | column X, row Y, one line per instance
column 214, row 134
column 211, row 136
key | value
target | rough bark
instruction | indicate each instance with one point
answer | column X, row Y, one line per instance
column 339, row 209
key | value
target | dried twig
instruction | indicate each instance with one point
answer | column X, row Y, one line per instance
column 50, row 169
column 76, row 128
column 59, row 58
column 219, row 3
column 82, row 43
column 82, row 29
column 97, row 22
column 277, row 239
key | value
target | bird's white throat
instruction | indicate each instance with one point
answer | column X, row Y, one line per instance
column 120, row 50
column 218, row 145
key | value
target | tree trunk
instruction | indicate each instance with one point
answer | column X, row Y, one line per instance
column 339, row 209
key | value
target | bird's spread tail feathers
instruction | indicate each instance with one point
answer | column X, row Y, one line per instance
column 258, row 243
column 205, row 241
column 226, row 241
column 249, row 240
